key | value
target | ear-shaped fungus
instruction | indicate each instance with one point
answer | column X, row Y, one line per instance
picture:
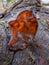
column 25, row 23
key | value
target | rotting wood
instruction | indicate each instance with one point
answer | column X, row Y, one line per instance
column 10, row 7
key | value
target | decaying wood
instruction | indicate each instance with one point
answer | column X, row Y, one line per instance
column 11, row 6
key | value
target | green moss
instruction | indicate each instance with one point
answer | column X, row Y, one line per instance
column 10, row 0
column 0, row 0
column 7, row 0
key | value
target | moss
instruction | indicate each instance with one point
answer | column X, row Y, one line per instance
column 7, row 0
column 10, row 0
column 0, row 0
